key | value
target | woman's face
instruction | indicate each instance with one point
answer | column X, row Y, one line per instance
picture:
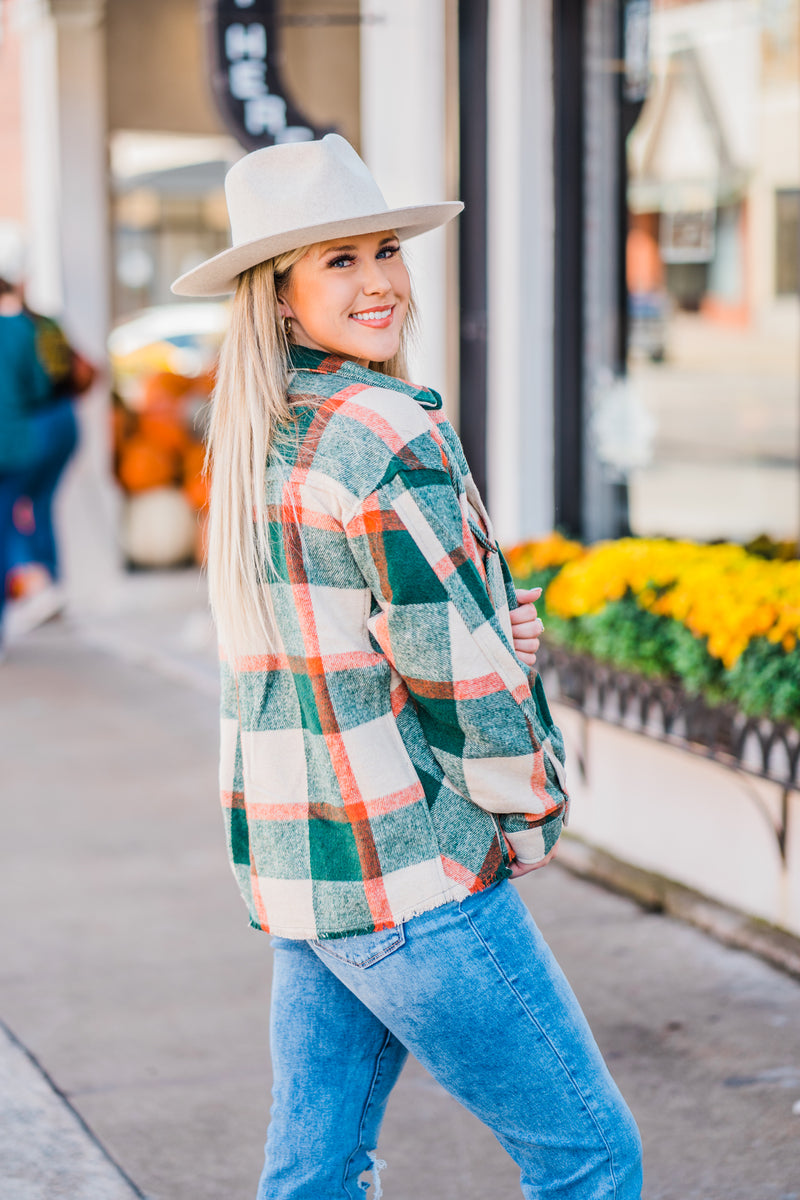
column 349, row 297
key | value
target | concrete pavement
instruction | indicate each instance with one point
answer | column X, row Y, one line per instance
column 48, row 1152
column 129, row 974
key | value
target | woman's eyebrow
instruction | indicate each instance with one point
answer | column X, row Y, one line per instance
column 341, row 249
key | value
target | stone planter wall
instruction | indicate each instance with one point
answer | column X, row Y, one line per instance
column 722, row 818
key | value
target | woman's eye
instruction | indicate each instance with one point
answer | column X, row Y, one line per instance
column 388, row 251
column 343, row 261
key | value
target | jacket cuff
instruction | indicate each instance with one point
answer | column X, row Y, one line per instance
column 531, row 843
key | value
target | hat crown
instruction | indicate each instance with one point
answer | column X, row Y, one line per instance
column 298, row 184
column 296, row 194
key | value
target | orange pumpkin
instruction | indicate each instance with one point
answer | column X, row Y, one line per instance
column 196, row 491
column 164, row 390
column 205, row 383
column 195, row 482
column 165, row 429
column 144, row 465
column 194, row 456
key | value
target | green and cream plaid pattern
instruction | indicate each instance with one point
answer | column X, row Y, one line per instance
column 373, row 760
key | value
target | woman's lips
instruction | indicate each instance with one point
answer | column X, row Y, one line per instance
column 374, row 318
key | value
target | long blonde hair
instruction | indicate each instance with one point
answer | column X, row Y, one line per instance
column 250, row 420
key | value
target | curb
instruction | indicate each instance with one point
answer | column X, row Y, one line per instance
column 47, row 1148
column 658, row 894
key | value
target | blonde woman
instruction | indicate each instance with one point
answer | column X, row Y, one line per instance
column 388, row 760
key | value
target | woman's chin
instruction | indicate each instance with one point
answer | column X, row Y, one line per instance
column 374, row 348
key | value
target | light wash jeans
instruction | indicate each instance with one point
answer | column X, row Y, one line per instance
column 472, row 991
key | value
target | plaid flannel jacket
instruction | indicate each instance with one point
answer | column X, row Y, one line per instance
column 373, row 760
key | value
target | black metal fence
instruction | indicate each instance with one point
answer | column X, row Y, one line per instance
column 662, row 709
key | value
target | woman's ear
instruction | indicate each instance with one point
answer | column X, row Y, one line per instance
column 285, row 310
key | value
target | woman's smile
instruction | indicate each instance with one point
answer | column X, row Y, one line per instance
column 376, row 318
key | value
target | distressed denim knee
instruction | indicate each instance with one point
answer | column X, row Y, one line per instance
column 334, row 1065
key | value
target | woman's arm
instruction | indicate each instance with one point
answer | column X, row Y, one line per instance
column 438, row 627
column 524, row 868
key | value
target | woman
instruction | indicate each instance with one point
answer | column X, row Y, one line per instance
column 387, row 762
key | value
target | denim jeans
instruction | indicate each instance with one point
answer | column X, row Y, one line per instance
column 10, row 490
column 473, row 991
column 56, row 439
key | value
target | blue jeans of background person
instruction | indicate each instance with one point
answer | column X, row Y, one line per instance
column 473, row 991
column 55, row 441
column 10, row 485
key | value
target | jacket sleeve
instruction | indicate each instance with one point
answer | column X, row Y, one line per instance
column 436, row 623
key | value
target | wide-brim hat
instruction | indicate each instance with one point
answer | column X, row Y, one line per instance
column 298, row 193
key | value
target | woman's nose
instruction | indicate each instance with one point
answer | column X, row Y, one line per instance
column 376, row 281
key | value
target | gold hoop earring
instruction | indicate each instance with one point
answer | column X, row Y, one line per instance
column 287, row 326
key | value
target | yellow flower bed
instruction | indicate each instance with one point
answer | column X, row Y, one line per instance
column 721, row 593
column 542, row 553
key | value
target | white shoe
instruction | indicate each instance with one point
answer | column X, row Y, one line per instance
column 25, row 615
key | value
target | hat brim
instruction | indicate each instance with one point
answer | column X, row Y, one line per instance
column 218, row 275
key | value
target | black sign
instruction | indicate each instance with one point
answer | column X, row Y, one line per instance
column 250, row 94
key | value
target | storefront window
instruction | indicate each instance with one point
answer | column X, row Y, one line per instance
column 712, row 271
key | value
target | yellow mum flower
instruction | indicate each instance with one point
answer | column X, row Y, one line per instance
column 541, row 553
column 720, row 593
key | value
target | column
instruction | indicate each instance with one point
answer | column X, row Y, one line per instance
column 64, row 111
column 405, row 143
column 520, row 401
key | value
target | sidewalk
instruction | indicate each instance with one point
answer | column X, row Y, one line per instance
column 47, row 1151
column 129, row 974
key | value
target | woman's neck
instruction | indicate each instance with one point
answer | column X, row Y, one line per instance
column 299, row 340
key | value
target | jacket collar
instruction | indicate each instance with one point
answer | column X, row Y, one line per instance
column 318, row 362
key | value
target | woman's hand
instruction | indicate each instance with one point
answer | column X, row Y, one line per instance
column 526, row 625
column 518, row 868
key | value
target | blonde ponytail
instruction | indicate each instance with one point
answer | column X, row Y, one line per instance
column 251, row 420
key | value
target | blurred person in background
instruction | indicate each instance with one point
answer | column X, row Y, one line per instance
column 25, row 393
column 33, row 568
column 388, row 761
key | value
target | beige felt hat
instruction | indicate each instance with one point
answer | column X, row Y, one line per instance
column 296, row 194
